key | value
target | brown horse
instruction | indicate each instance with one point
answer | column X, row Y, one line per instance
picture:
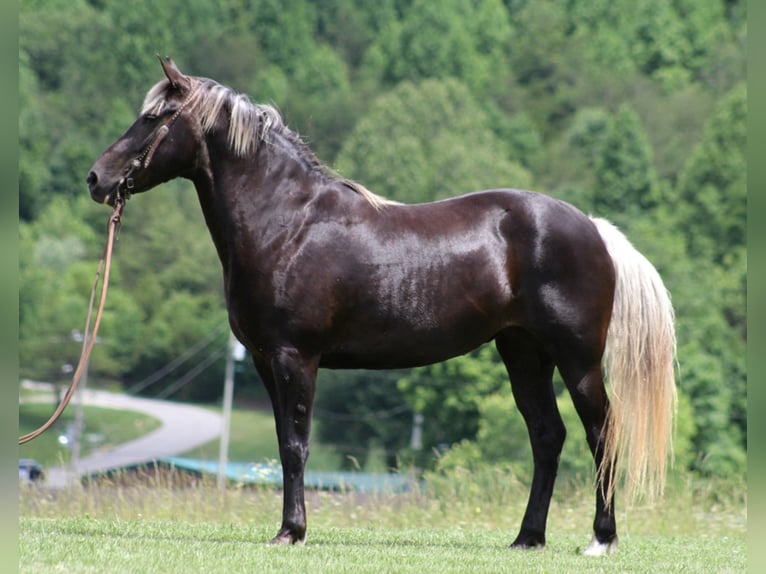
column 320, row 272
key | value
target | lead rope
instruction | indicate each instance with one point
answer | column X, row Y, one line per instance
column 88, row 340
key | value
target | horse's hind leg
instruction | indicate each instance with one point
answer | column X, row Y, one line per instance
column 530, row 369
column 586, row 386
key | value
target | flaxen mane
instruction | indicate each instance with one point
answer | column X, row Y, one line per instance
column 249, row 125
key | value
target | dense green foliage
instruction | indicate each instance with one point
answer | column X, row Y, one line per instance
column 634, row 111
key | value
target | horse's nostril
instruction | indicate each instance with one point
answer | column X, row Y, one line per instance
column 92, row 179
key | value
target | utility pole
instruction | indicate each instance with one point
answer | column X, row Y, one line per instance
column 79, row 414
column 235, row 352
column 79, row 423
column 416, row 438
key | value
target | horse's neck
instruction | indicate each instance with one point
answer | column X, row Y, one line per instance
column 246, row 200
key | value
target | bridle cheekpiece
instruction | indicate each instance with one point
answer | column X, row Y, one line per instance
column 126, row 185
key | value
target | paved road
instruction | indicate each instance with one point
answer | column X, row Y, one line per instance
column 184, row 427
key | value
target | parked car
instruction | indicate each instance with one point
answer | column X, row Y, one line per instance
column 29, row 470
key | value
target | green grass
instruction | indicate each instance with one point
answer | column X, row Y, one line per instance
column 463, row 524
column 86, row 545
column 114, row 425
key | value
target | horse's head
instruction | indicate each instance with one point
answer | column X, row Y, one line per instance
column 162, row 144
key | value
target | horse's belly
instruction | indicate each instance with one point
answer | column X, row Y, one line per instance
column 412, row 317
column 388, row 358
column 407, row 343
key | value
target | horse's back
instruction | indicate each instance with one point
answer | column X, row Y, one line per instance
column 543, row 237
column 559, row 272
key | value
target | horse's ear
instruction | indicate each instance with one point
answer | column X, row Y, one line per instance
column 174, row 75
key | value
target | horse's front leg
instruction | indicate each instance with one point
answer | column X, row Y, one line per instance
column 292, row 394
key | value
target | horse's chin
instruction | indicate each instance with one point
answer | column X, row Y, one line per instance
column 105, row 198
column 108, row 197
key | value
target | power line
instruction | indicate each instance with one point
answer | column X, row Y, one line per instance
column 188, row 377
column 177, row 362
column 385, row 414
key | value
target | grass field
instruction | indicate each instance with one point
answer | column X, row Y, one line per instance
column 163, row 525
column 86, row 545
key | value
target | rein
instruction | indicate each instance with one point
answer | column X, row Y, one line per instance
column 88, row 340
column 122, row 194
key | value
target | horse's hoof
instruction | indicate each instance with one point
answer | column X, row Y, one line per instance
column 286, row 537
column 596, row 548
column 529, row 542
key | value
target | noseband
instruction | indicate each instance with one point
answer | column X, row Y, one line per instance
column 126, row 184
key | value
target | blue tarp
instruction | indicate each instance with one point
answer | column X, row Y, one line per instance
column 268, row 473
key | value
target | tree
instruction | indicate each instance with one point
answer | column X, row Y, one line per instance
column 454, row 39
column 360, row 411
column 428, row 141
column 52, row 251
column 659, row 45
column 34, row 147
column 713, row 190
column 574, row 157
column 625, row 180
column 539, row 55
column 320, row 102
column 604, row 165
column 349, row 26
column 449, row 395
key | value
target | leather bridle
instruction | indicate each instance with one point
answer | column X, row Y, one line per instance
column 142, row 161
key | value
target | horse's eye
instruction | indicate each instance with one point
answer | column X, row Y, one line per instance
column 150, row 117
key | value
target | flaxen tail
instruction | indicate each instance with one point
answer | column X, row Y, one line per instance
column 639, row 364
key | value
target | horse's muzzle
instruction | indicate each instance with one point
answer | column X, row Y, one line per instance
column 98, row 192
